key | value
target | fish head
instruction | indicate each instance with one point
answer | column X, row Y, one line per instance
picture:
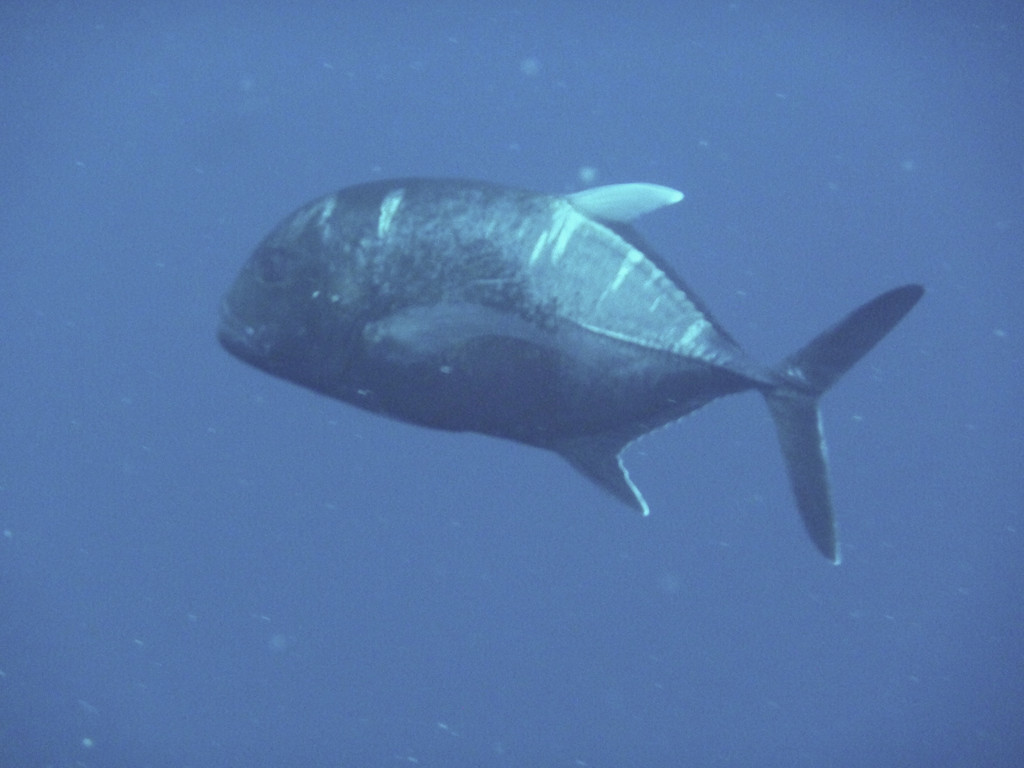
column 295, row 306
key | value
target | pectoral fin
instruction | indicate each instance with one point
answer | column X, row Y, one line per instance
column 421, row 333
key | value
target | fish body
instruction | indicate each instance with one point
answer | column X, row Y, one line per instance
column 543, row 319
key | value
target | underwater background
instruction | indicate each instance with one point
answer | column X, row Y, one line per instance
column 201, row 565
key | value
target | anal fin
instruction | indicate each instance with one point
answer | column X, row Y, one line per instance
column 599, row 458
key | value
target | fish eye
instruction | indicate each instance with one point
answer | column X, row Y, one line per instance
column 273, row 265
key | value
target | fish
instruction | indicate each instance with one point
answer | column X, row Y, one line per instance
column 543, row 319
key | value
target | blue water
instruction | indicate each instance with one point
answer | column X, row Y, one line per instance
column 201, row 565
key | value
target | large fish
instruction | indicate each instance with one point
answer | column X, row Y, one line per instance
column 543, row 319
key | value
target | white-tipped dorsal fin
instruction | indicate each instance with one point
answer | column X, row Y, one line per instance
column 623, row 202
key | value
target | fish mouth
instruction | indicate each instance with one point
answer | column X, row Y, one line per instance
column 241, row 339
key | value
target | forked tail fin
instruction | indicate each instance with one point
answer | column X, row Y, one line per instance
column 806, row 376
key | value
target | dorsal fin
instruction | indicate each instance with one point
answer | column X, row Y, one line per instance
column 623, row 202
